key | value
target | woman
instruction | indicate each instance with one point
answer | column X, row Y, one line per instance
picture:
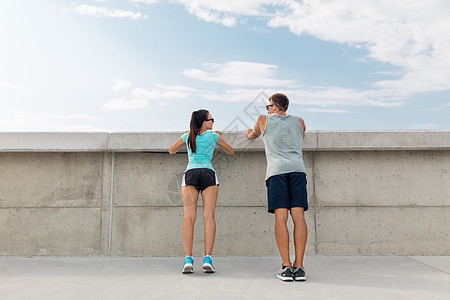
column 200, row 176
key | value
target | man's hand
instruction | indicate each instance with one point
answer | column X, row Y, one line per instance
column 249, row 132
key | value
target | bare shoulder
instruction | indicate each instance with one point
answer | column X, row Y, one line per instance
column 301, row 120
column 261, row 123
column 302, row 125
column 261, row 120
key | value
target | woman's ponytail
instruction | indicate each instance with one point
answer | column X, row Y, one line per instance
column 197, row 119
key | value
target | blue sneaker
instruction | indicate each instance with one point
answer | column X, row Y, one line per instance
column 208, row 265
column 188, row 265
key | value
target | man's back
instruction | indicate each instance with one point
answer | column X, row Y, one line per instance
column 283, row 138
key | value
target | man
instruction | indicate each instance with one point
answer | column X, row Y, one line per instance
column 285, row 180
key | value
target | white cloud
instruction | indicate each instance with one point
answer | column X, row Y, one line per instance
column 144, row 94
column 240, row 73
column 143, row 1
column 178, row 88
column 322, row 110
column 9, row 85
column 139, row 97
column 174, row 95
column 411, row 35
column 228, row 12
column 235, row 95
column 158, row 94
column 21, row 120
column 317, row 96
column 96, row 11
column 424, row 126
column 328, row 96
column 125, row 104
column 120, row 85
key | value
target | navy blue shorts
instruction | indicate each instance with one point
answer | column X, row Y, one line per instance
column 287, row 191
column 200, row 178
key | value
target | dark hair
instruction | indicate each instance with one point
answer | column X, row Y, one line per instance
column 280, row 100
column 197, row 119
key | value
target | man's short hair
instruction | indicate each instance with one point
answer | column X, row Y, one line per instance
column 280, row 100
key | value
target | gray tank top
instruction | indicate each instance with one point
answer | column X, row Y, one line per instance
column 283, row 138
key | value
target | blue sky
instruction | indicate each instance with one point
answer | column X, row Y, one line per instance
column 145, row 65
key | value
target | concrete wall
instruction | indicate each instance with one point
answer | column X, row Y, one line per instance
column 100, row 194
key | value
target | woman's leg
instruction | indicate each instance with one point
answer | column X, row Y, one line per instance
column 209, row 196
column 190, row 197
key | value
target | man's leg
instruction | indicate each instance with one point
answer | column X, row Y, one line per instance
column 282, row 234
column 300, row 234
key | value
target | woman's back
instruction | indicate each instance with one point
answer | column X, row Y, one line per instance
column 205, row 143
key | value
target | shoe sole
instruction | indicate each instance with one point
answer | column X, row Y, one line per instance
column 188, row 268
column 207, row 268
column 285, row 278
column 300, row 278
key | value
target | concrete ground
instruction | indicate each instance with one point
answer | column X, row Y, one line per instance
column 328, row 277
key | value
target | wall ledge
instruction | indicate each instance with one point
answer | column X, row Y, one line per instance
column 54, row 141
column 161, row 141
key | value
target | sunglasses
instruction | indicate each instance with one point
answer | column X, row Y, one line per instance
column 212, row 120
column 268, row 106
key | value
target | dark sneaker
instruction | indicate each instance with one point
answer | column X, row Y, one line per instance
column 285, row 274
column 299, row 274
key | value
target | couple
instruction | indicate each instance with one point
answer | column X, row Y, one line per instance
column 285, row 181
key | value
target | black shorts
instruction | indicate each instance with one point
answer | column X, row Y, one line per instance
column 200, row 178
column 287, row 191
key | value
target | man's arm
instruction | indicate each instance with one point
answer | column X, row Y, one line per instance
column 258, row 128
column 302, row 124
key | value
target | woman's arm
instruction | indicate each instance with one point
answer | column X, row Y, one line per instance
column 224, row 145
column 175, row 147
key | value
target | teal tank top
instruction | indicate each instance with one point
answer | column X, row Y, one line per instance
column 205, row 148
column 283, row 138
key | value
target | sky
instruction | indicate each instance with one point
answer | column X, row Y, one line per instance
column 146, row 65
